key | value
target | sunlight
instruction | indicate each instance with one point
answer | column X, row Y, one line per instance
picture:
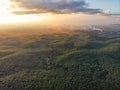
column 7, row 17
column 4, row 7
column 11, row 19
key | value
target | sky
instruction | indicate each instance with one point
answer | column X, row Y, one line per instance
column 112, row 5
column 60, row 12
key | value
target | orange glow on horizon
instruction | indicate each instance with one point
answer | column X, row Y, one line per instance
column 12, row 19
column 7, row 17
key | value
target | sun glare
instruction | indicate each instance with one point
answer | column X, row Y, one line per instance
column 7, row 17
column 14, row 19
column 4, row 7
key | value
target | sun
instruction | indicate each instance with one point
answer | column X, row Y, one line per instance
column 5, row 7
column 18, row 19
column 7, row 16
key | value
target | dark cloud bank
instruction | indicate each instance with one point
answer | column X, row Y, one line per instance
column 55, row 6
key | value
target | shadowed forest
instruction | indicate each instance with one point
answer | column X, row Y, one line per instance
column 60, row 58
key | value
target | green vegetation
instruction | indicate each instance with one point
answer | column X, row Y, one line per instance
column 84, row 60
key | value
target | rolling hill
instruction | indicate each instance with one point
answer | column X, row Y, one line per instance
column 60, row 59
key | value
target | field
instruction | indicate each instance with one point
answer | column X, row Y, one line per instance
column 60, row 59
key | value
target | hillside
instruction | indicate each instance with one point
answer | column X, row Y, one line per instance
column 60, row 59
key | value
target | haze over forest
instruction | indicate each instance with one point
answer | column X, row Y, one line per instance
column 59, row 44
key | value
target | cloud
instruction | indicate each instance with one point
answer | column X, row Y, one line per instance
column 54, row 6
